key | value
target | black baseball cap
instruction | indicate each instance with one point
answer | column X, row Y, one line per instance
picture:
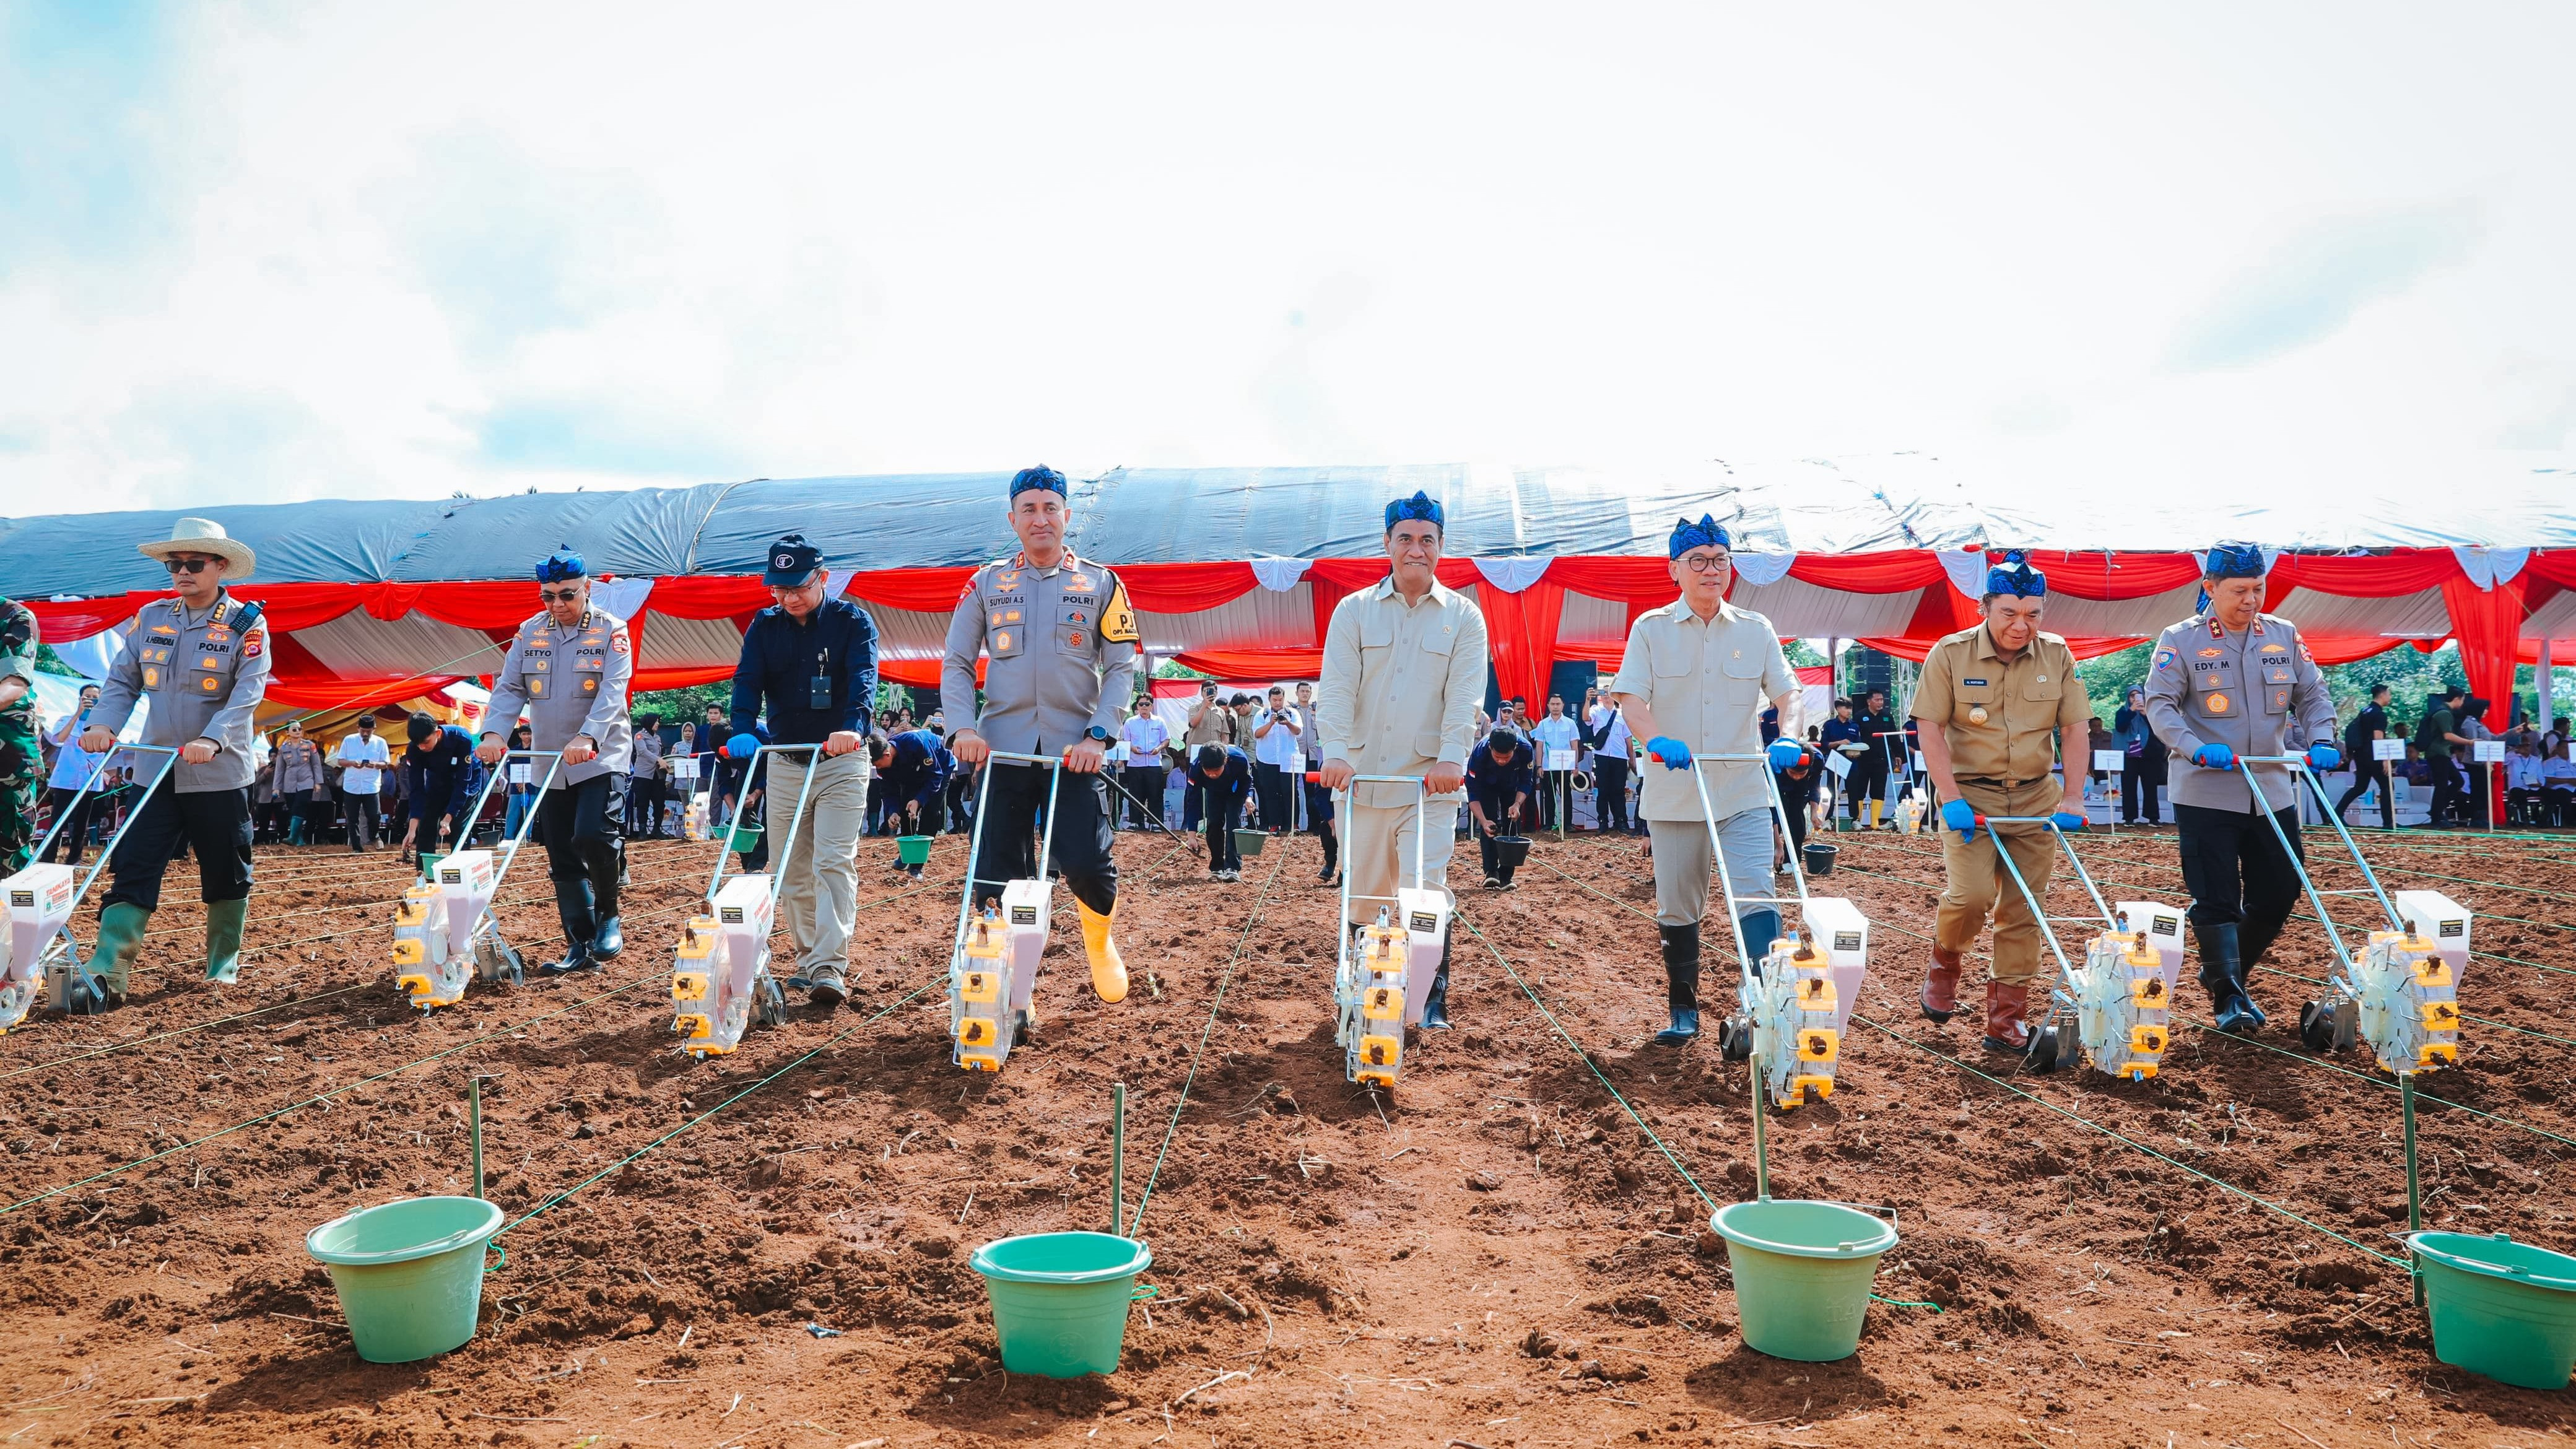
column 791, row 562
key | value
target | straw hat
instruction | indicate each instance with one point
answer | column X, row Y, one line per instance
column 204, row 535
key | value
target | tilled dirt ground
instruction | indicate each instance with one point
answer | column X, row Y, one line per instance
column 771, row 1248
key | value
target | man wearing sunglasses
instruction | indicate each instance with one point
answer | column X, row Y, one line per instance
column 2231, row 681
column 1694, row 679
column 202, row 659
column 567, row 671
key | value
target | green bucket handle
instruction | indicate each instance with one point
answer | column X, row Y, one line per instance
column 496, row 1247
column 1142, row 1292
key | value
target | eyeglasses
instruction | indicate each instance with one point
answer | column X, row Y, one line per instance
column 558, row 596
column 1706, row 563
column 188, row 565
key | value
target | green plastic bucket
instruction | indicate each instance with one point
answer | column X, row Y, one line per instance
column 1249, row 842
column 2500, row 1308
column 1060, row 1300
column 745, row 837
column 410, row 1273
column 912, row 850
column 1802, row 1273
column 429, row 860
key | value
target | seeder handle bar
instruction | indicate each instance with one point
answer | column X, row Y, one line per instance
column 169, row 761
column 1717, row 850
column 2049, row 823
column 1054, row 766
column 527, row 823
column 1421, row 802
column 750, row 768
column 1316, row 777
column 2316, row 899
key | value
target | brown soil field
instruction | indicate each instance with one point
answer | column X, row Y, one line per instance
column 770, row 1248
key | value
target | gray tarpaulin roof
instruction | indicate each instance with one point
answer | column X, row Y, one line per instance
column 1199, row 514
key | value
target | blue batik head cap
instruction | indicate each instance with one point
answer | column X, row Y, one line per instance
column 560, row 565
column 1040, row 476
column 1421, row 505
column 2016, row 577
column 2234, row 561
column 1707, row 533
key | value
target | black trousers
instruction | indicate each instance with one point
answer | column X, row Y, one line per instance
column 1610, row 774
column 1278, row 799
column 2450, row 794
column 1144, row 787
column 2233, row 866
column 2138, row 782
column 1868, row 782
column 364, row 822
column 583, row 827
column 2366, row 773
column 215, row 822
column 71, row 832
column 643, row 806
column 1224, row 811
column 1012, row 796
column 1488, row 853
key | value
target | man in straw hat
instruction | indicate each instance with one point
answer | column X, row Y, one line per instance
column 202, row 659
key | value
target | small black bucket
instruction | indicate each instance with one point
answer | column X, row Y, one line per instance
column 1511, row 851
column 1820, row 857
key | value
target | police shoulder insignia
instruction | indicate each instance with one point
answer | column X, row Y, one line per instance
column 1117, row 620
column 2167, row 656
column 254, row 642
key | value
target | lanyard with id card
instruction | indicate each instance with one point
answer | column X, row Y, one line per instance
column 819, row 694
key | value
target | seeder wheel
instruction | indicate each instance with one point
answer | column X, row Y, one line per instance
column 1735, row 1039
column 2044, row 1050
column 769, row 1003
column 2317, row 1026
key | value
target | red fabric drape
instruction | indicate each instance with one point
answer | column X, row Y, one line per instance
column 1186, row 588
column 708, row 596
column 1254, row 666
column 917, row 673
column 927, row 591
column 2488, row 624
column 339, row 694
column 1890, row 572
column 2105, row 575
column 1507, row 643
column 2400, row 572
column 1628, row 581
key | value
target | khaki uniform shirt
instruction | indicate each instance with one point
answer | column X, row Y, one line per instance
column 1996, row 714
column 1706, row 681
column 205, row 676
column 1060, row 651
column 1216, row 727
column 1399, row 686
column 570, row 682
column 2256, row 692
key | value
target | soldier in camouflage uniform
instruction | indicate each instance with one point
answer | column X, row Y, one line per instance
column 21, row 763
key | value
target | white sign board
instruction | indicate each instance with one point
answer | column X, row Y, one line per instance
column 685, row 768
column 1838, row 766
column 519, row 772
column 1918, row 762
column 2112, row 760
column 2388, row 749
column 1560, row 761
column 2486, row 752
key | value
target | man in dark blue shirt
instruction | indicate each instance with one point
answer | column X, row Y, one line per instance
column 439, row 768
column 1501, row 777
column 915, row 769
column 1224, row 777
column 810, row 666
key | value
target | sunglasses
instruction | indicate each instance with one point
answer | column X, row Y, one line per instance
column 558, row 596
column 188, row 565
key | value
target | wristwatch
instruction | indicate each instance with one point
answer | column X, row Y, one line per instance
column 1095, row 733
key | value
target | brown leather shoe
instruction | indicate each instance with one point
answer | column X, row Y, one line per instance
column 2005, row 1029
column 1941, row 985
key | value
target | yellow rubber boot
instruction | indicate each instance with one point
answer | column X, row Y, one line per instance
column 1108, row 972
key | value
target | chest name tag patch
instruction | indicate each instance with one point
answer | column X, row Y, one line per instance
column 1974, row 683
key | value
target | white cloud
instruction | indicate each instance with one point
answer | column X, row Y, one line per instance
column 367, row 252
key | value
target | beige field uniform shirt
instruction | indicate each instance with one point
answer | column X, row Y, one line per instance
column 1400, row 686
column 1996, row 714
column 1706, row 682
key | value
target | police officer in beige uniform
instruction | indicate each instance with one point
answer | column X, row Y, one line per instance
column 1990, row 699
column 1695, row 679
column 2227, row 682
column 568, row 670
column 1404, row 667
column 202, row 659
column 1060, row 644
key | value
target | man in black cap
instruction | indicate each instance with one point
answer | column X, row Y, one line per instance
column 812, row 662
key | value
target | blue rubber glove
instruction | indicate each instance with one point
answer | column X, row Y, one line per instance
column 2067, row 820
column 1674, row 754
column 1785, row 754
column 2324, row 757
column 2214, row 756
column 1960, row 816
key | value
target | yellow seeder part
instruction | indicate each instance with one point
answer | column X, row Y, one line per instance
column 981, row 987
column 1815, row 993
column 1818, row 1044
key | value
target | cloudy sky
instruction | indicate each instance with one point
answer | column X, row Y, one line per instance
column 273, row 251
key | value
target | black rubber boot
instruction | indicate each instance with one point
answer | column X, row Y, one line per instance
column 572, row 907
column 2222, row 975
column 1681, row 984
column 606, row 940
